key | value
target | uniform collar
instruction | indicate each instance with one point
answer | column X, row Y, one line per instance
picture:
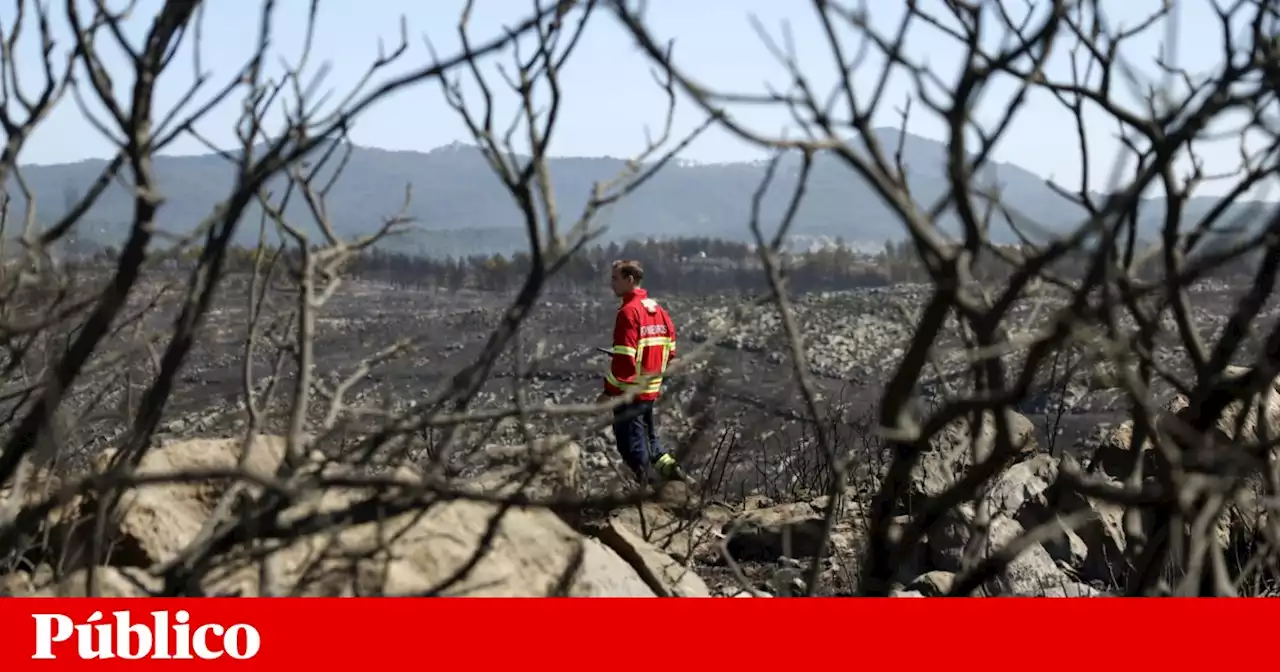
column 634, row 295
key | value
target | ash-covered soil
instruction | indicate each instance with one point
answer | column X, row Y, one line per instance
column 759, row 442
column 759, row 453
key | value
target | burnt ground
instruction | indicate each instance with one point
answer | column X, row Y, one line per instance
column 758, row 447
column 757, row 444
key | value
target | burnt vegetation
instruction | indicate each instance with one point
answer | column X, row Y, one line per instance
column 983, row 406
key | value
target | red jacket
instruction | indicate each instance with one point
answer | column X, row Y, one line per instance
column 643, row 333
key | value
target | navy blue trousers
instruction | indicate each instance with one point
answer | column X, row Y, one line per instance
column 636, row 435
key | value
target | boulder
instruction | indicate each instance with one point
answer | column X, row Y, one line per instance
column 34, row 487
column 1029, row 574
column 665, row 576
column 1068, row 548
column 1071, row 589
column 1022, row 490
column 933, row 584
column 1026, row 493
column 1242, row 422
column 954, row 449
column 109, row 582
column 16, row 584
column 154, row 522
column 363, row 541
column 686, row 540
column 453, row 547
column 545, row 469
column 766, row 534
column 1103, row 537
column 1113, row 453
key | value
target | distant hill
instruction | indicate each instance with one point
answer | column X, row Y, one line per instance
column 461, row 208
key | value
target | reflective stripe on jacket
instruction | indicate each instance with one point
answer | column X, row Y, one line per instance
column 644, row 342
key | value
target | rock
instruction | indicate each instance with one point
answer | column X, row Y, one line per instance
column 1025, row 492
column 753, row 502
column 788, row 535
column 1071, row 589
column 456, row 547
column 1114, row 453
column 16, row 584
column 677, row 496
column 1108, row 401
column 845, row 550
column 553, row 462
column 1176, row 403
column 29, row 486
column 1103, row 535
column 788, row 582
column 110, row 582
column 684, row 540
column 663, row 575
column 1070, row 549
column 32, row 487
column 792, row 563
column 154, row 522
column 1103, row 374
column 1064, row 396
column 527, row 551
column 932, row 584
column 792, row 530
column 601, row 576
column 1029, row 574
column 1020, row 498
column 952, row 450
column 1241, row 423
column 1021, row 490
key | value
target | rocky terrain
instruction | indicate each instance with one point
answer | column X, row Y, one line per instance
column 752, row 524
column 852, row 341
column 674, row 545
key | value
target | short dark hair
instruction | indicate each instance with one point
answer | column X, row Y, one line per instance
column 630, row 269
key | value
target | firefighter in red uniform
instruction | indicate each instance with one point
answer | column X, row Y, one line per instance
column 644, row 342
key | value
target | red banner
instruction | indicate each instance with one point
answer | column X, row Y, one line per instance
column 636, row 634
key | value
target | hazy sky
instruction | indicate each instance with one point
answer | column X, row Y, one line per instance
column 610, row 96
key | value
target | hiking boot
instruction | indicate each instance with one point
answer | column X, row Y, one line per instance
column 667, row 469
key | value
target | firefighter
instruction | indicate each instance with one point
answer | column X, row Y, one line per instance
column 644, row 342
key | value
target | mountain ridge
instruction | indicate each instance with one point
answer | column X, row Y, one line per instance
column 460, row 207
